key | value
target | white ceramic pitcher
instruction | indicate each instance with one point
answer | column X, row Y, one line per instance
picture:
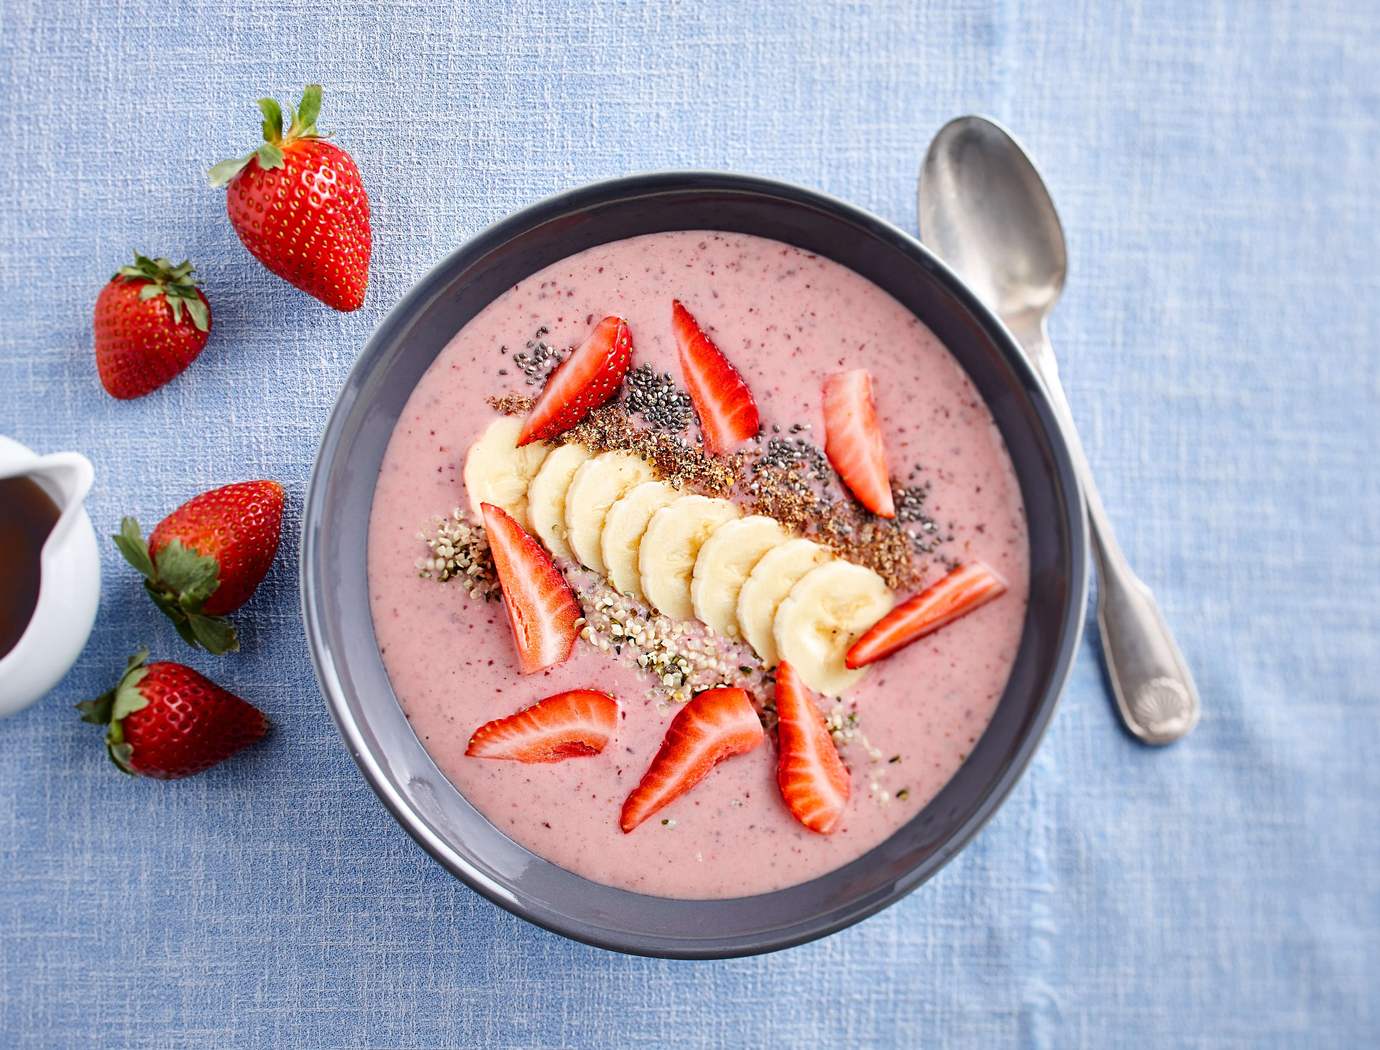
column 70, row 585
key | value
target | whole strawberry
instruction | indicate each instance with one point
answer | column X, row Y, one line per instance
column 206, row 557
column 299, row 206
column 167, row 721
column 151, row 322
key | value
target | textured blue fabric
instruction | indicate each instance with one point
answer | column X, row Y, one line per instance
column 1215, row 165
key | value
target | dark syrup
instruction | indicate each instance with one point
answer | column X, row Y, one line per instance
column 27, row 516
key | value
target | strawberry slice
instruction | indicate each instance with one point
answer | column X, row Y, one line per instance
column 583, row 382
column 811, row 776
column 542, row 609
column 715, row 725
column 723, row 402
column 567, row 725
column 963, row 590
column 853, row 440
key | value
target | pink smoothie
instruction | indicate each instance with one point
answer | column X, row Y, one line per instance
column 786, row 319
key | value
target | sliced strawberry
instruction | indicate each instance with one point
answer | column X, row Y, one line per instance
column 542, row 609
column 715, row 725
column 567, row 725
column 963, row 590
column 853, row 440
column 813, row 781
column 583, row 382
column 723, row 402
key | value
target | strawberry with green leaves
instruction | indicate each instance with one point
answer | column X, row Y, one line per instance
column 166, row 721
column 151, row 322
column 206, row 558
column 298, row 204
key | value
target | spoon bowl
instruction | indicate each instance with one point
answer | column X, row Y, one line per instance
column 988, row 214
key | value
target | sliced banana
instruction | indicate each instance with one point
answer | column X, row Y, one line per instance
column 593, row 490
column 724, row 562
column 624, row 526
column 770, row 580
column 546, row 497
column 666, row 558
column 822, row 616
column 498, row 472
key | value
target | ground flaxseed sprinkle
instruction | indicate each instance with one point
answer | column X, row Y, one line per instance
column 609, row 428
column 880, row 544
column 782, row 481
column 788, row 495
column 511, row 404
column 788, row 481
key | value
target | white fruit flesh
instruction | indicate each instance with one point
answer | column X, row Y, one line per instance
column 723, row 564
column 826, row 611
column 624, row 526
column 546, row 497
column 498, row 472
column 594, row 488
column 770, row 580
column 666, row 558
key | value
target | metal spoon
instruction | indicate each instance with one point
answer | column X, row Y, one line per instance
column 986, row 212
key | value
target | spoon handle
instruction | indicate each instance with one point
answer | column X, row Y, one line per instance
column 1154, row 689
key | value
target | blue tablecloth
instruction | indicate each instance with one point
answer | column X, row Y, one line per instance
column 1215, row 164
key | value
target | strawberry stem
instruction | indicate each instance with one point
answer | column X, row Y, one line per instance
column 175, row 283
column 301, row 125
column 273, row 120
column 110, row 708
column 179, row 580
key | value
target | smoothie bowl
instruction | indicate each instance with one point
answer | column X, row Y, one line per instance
column 692, row 564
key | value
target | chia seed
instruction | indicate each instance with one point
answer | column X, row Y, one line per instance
column 910, row 504
column 798, row 454
column 539, row 359
column 911, row 515
column 656, row 398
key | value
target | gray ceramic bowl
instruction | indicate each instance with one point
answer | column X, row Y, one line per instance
column 336, row 603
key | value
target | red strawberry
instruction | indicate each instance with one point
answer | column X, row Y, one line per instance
column 723, row 402
column 299, row 206
column 853, row 440
column 542, row 609
column 167, row 721
column 142, row 338
column 812, row 777
column 960, row 592
column 583, row 382
column 715, row 725
column 206, row 557
column 567, row 725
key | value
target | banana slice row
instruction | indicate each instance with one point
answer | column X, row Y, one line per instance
column 686, row 555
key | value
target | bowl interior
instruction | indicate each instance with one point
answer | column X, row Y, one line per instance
column 336, row 604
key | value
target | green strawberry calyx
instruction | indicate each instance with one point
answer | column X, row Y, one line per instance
column 300, row 125
column 109, row 709
column 179, row 580
column 174, row 283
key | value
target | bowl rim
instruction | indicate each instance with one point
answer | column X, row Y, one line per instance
column 607, row 191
